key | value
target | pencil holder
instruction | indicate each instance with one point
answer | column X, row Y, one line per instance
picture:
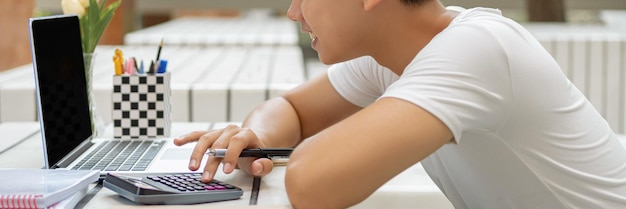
column 141, row 106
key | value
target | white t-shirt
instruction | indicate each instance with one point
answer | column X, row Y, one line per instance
column 525, row 136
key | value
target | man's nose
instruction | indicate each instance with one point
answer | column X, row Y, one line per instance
column 294, row 13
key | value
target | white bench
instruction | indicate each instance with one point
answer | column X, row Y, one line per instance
column 217, row 83
column 218, row 31
column 593, row 57
column 223, row 82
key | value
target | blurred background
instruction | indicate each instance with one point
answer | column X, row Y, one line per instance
column 228, row 56
column 135, row 15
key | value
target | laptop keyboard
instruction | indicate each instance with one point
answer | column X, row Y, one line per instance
column 130, row 155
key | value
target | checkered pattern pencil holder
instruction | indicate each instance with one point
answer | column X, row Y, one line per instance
column 141, row 106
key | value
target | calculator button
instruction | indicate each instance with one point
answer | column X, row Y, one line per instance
column 190, row 183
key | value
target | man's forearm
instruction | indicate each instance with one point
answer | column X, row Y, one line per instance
column 276, row 123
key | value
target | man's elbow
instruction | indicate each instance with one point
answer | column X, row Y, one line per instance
column 302, row 192
column 306, row 189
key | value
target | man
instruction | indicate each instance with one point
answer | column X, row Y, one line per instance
column 470, row 94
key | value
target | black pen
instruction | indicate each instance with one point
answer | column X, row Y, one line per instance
column 151, row 69
column 258, row 152
column 158, row 57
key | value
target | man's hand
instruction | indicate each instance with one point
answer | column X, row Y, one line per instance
column 234, row 139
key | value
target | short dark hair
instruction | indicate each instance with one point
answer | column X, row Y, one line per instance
column 413, row 2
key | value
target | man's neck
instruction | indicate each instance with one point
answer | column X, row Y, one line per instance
column 413, row 29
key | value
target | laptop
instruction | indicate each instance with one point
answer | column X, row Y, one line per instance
column 64, row 115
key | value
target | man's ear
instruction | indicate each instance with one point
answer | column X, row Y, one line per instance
column 368, row 5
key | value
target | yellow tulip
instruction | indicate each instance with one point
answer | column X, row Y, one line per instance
column 85, row 3
column 94, row 17
column 73, row 7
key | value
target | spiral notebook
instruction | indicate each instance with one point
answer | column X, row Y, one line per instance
column 41, row 188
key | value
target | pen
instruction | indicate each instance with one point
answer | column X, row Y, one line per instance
column 140, row 70
column 135, row 64
column 151, row 68
column 162, row 66
column 258, row 152
column 159, row 51
column 118, row 62
column 117, row 66
column 130, row 67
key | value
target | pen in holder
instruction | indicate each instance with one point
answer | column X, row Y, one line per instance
column 141, row 105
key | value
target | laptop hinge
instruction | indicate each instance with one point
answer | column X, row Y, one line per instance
column 69, row 158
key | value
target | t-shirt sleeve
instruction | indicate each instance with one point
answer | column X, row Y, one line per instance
column 462, row 78
column 361, row 81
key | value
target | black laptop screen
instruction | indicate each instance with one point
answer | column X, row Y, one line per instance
column 61, row 85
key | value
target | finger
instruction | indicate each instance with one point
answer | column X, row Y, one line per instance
column 237, row 143
column 204, row 142
column 190, row 137
column 256, row 166
column 210, row 168
column 215, row 141
column 262, row 167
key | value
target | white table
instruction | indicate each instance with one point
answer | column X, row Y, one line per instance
column 410, row 188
